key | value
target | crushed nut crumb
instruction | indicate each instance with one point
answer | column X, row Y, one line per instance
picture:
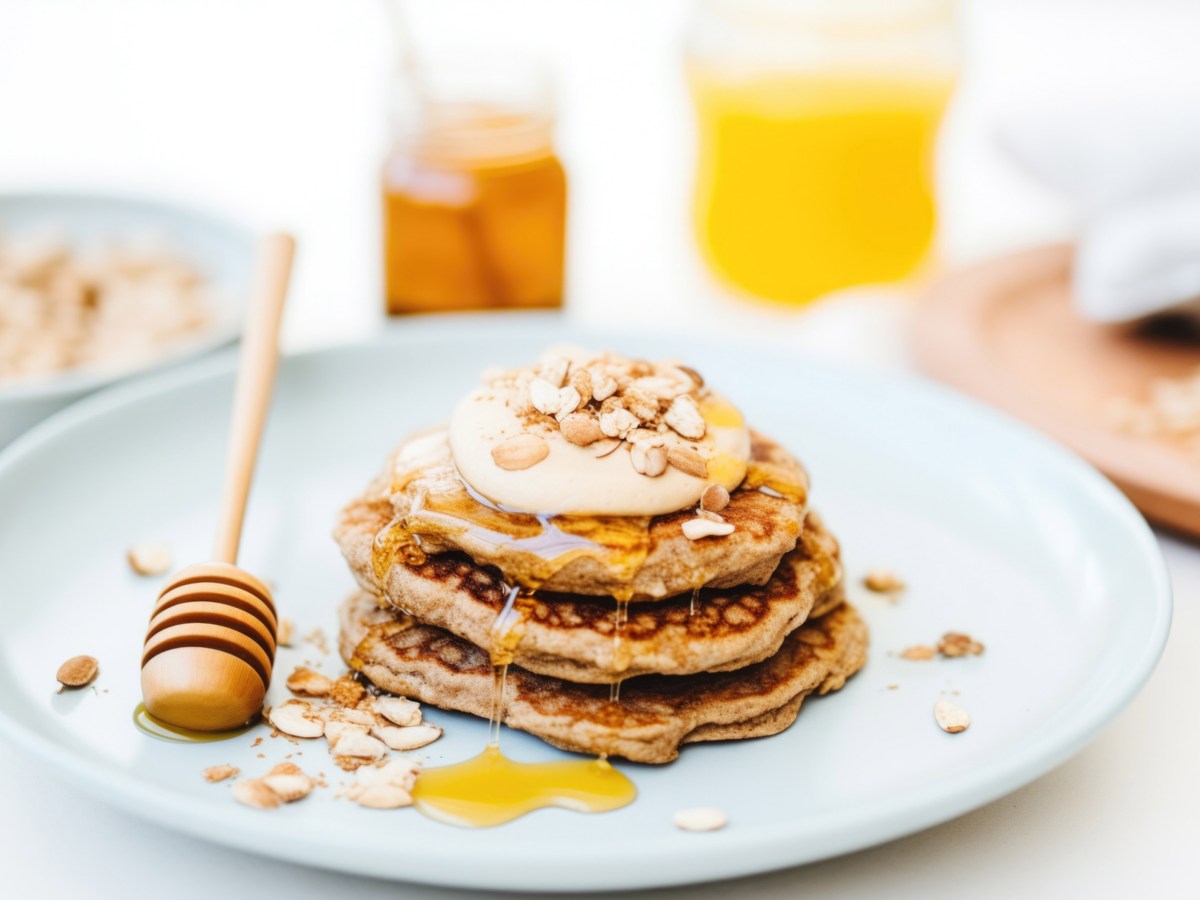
column 213, row 774
column 954, row 644
column 919, row 652
column 149, row 557
column 882, row 581
column 701, row 818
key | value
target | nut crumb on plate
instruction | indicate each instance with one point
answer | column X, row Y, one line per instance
column 951, row 717
column 286, row 633
column 919, row 652
column 78, row 671
column 213, row 774
column 308, row 683
column 700, row 818
column 149, row 557
column 954, row 644
column 883, row 581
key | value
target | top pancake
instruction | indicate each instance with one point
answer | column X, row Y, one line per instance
column 574, row 637
column 636, row 558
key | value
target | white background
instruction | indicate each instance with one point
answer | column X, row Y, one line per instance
column 272, row 111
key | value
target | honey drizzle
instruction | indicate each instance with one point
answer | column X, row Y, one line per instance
column 164, row 731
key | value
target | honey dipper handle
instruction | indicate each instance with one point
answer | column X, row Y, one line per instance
column 252, row 395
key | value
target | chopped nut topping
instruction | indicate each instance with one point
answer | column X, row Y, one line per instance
column 919, row 652
column 883, row 581
column 714, row 499
column 554, row 370
column 684, row 417
column 385, row 787
column 955, row 644
column 381, row 796
column 618, row 422
column 288, row 782
column 520, row 451
column 581, row 429
column 695, row 529
column 951, row 717
column 543, row 396
column 700, row 818
column 352, row 742
column 149, row 557
column 308, row 683
column 78, row 671
column 688, row 460
column 651, row 461
column 213, row 774
column 347, row 691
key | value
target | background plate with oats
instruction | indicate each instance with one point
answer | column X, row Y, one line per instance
column 997, row 532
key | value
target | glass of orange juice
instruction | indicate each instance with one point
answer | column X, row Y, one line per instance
column 817, row 122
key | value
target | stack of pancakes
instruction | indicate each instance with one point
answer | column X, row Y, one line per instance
column 438, row 567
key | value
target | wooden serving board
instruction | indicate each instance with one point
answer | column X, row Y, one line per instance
column 1006, row 332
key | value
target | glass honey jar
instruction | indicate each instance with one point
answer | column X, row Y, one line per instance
column 474, row 197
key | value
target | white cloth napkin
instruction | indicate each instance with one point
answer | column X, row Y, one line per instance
column 1133, row 172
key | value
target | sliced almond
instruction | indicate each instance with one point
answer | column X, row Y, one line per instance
column 918, row 652
column 714, row 499
column 951, row 717
column 701, row 818
column 954, row 644
column 398, row 710
column 308, row 683
column 641, row 404
column 334, row 730
column 684, row 417
column 362, row 717
column 647, row 460
column 402, row 772
column 618, row 422
column 581, row 429
column 520, row 451
column 78, row 671
column 297, row 718
column 603, row 385
column 687, row 459
column 695, row 529
column 410, row 737
column 149, row 557
column 253, row 792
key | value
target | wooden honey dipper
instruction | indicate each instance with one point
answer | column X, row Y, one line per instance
column 210, row 646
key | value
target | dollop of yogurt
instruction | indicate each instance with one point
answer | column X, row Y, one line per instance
column 582, row 433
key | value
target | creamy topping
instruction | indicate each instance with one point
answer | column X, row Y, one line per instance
column 597, row 434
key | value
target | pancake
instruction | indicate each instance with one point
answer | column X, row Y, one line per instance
column 656, row 713
column 571, row 636
column 639, row 558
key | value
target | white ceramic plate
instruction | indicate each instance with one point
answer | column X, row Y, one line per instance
column 997, row 531
column 220, row 250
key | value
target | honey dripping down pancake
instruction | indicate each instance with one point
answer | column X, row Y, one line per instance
column 622, row 451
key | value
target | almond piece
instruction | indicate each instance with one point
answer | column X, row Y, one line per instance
column 402, row 772
column 354, row 743
column 544, row 396
column 650, row 461
column 687, row 459
column 641, row 404
column 568, row 401
column 411, row 737
column 618, row 422
column 882, row 581
column 603, row 386
column 308, row 683
column 554, row 370
column 213, row 774
column 252, row 792
column 297, row 718
column 288, row 782
column 918, row 653
column 955, row 644
column 951, row 717
column 701, row 818
column 695, row 529
column 581, row 429
column 363, row 717
column 398, row 710
column 684, row 417
column 287, row 630
column 78, row 671
column 520, row 452
column 149, row 557
column 581, row 381
column 334, row 729
column 381, row 796
column 715, row 498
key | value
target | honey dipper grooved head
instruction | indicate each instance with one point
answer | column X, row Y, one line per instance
column 210, row 649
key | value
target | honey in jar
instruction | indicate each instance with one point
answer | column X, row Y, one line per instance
column 474, row 197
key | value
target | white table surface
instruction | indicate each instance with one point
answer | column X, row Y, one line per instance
column 270, row 110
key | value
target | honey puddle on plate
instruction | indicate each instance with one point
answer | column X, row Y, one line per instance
column 164, row 731
column 491, row 789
